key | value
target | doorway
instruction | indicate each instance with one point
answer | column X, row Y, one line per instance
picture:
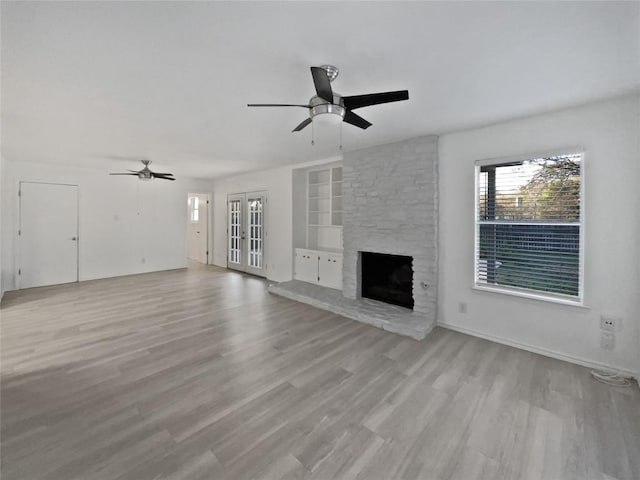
column 48, row 234
column 246, row 233
column 198, row 227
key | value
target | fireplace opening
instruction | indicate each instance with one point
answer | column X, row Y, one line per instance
column 387, row 278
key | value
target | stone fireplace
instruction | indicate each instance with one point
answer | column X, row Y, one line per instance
column 390, row 207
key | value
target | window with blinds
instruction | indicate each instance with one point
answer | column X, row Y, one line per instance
column 528, row 226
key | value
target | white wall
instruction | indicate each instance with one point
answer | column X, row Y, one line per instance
column 126, row 226
column 2, row 228
column 279, row 244
column 609, row 132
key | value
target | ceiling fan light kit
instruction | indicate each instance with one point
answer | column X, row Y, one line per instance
column 319, row 107
column 332, row 108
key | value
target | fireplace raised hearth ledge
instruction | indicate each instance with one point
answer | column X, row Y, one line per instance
column 378, row 314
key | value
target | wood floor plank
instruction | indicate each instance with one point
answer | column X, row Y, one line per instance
column 201, row 373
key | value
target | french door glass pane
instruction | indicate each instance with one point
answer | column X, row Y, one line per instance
column 234, row 231
column 255, row 232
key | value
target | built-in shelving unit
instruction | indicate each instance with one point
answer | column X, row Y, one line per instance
column 324, row 209
column 317, row 224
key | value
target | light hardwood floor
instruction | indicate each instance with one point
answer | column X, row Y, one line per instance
column 202, row 374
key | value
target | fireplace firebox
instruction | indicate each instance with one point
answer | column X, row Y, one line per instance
column 387, row 278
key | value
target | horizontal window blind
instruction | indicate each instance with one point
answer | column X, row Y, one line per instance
column 528, row 227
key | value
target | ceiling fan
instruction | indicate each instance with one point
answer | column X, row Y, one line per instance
column 146, row 173
column 326, row 101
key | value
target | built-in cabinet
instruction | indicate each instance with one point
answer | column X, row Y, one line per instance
column 319, row 267
column 317, row 225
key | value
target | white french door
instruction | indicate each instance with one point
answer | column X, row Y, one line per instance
column 246, row 232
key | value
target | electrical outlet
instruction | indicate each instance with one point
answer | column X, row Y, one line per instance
column 609, row 324
column 607, row 341
column 462, row 307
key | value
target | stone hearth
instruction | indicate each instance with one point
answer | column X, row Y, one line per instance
column 382, row 315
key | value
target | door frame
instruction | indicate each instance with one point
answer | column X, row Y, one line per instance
column 244, row 267
column 18, row 231
column 208, row 226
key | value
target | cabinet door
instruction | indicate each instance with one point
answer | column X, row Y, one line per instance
column 306, row 266
column 330, row 270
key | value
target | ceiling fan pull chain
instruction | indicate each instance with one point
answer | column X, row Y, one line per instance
column 313, row 131
column 340, row 136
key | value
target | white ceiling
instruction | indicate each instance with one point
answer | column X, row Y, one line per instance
column 170, row 80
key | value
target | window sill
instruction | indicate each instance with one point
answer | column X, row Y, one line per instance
column 531, row 296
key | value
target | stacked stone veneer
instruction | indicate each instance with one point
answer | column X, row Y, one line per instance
column 390, row 205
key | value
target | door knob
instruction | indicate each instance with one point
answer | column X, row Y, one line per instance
column 73, row 238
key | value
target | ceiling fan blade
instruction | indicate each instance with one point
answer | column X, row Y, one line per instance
column 322, row 83
column 357, row 120
column 163, row 176
column 136, row 174
column 276, row 105
column 359, row 101
column 303, row 124
column 121, row 157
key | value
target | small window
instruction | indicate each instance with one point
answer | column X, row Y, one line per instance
column 194, row 213
column 528, row 226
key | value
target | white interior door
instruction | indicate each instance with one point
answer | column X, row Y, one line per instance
column 48, row 234
column 246, row 232
column 198, row 228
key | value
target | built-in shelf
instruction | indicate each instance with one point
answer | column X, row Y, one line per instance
column 324, row 208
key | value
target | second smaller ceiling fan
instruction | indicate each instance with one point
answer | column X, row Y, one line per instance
column 147, row 174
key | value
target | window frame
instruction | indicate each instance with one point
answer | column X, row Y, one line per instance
column 533, row 294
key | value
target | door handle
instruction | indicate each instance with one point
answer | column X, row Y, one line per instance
column 74, row 238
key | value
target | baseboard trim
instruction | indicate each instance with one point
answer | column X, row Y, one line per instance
column 541, row 351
